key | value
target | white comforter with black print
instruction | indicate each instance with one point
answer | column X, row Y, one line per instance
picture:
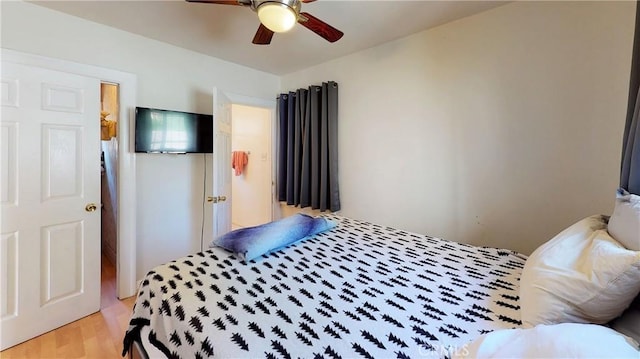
column 359, row 290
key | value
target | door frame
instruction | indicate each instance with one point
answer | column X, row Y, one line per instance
column 126, row 178
column 237, row 99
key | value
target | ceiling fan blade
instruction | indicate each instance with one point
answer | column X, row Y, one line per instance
column 221, row 2
column 320, row 27
column 263, row 36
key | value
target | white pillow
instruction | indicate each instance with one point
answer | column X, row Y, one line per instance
column 624, row 224
column 568, row 340
column 582, row 275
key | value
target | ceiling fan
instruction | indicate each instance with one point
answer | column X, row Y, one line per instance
column 281, row 16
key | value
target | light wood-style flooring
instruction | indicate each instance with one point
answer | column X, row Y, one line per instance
column 97, row 336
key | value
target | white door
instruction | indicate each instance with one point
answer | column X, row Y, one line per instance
column 50, row 176
column 221, row 164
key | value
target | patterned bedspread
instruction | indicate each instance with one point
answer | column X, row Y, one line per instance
column 359, row 290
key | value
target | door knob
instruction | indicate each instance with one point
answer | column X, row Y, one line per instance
column 90, row 207
column 216, row 199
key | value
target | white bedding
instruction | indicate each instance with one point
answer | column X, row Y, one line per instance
column 359, row 290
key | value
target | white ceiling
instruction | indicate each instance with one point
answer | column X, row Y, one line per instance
column 226, row 31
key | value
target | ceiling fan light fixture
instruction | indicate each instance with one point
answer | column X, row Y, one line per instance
column 277, row 17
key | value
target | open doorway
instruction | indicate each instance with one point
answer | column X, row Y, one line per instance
column 110, row 108
column 251, row 198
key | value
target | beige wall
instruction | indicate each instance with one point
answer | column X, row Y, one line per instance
column 251, row 191
column 499, row 129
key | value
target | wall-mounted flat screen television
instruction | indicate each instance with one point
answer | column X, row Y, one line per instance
column 165, row 131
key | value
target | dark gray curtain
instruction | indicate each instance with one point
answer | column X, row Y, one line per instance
column 308, row 147
column 630, row 174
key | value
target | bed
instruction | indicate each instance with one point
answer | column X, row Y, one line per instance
column 360, row 290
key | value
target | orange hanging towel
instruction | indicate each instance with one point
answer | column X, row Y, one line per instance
column 239, row 159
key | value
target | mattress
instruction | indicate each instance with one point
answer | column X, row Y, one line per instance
column 358, row 290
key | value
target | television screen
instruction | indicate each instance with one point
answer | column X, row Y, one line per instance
column 164, row 131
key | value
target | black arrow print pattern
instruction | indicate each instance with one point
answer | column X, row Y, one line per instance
column 359, row 290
